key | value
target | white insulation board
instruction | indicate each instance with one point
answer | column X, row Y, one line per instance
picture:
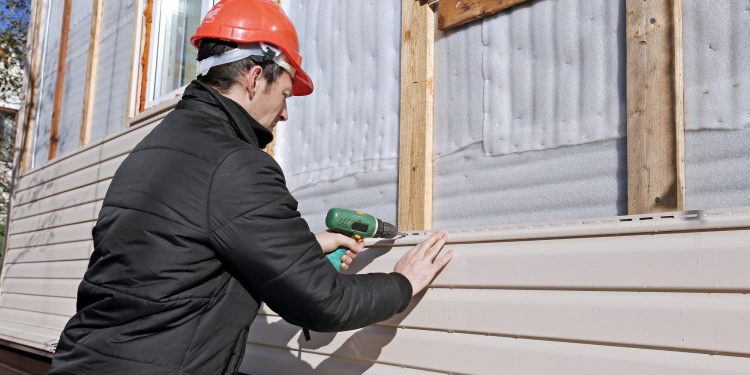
column 551, row 74
column 74, row 86
column 52, row 21
column 339, row 147
column 717, row 103
column 473, row 190
column 115, row 54
column 540, row 75
column 530, row 115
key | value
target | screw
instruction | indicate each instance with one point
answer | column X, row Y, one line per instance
column 658, row 200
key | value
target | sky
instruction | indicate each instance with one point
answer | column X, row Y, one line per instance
column 6, row 12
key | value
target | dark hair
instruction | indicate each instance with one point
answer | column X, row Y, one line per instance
column 224, row 76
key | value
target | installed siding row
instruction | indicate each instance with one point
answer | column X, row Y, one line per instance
column 54, row 209
column 607, row 303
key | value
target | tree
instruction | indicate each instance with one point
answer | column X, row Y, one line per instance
column 14, row 23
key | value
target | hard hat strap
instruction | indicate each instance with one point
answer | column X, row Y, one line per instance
column 245, row 51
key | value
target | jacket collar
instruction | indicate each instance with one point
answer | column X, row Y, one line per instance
column 242, row 124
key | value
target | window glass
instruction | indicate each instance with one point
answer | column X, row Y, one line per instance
column 173, row 59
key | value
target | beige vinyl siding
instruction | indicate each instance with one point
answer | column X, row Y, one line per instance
column 608, row 302
column 49, row 243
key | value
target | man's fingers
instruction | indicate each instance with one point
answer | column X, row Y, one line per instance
column 435, row 249
column 347, row 242
column 344, row 266
column 427, row 244
column 443, row 260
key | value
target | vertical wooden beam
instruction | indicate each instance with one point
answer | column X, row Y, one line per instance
column 415, row 138
column 26, row 118
column 656, row 171
column 62, row 56
column 91, row 64
column 136, row 44
column 148, row 15
column 271, row 147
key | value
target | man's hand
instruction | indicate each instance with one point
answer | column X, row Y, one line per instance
column 332, row 241
column 420, row 264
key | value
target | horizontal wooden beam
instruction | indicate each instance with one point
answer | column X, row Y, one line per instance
column 452, row 13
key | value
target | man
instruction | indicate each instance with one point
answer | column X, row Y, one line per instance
column 197, row 227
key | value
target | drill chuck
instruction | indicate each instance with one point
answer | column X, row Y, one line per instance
column 385, row 230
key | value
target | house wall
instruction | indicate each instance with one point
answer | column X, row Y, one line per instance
column 513, row 299
column 340, row 145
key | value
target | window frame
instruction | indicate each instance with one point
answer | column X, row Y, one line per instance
column 155, row 67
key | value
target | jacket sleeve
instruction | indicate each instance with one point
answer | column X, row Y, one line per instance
column 263, row 241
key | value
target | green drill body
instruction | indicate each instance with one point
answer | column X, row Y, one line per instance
column 358, row 225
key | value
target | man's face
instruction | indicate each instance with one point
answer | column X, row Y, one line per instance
column 268, row 102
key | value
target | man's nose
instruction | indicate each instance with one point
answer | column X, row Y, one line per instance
column 284, row 115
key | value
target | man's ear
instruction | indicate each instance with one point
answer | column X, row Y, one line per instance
column 252, row 80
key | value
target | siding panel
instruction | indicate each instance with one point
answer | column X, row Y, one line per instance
column 42, row 287
column 55, row 322
column 67, row 216
column 304, row 363
column 49, row 205
column 73, row 269
column 50, row 253
column 482, row 354
column 688, row 321
column 83, row 177
column 117, row 145
column 69, row 233
column 24, row 334
column 696, row 260
column 48, row 305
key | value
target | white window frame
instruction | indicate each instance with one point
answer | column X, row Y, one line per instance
column 155, row 67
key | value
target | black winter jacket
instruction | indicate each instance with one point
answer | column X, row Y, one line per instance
column 196, row 230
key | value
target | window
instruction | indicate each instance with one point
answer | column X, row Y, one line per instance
column 172, row 59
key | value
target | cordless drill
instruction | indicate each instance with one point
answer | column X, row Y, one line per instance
column 358, row 225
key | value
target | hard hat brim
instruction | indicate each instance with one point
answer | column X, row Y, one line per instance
column 301, row 83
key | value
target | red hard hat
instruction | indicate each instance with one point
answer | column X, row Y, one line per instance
column 256, row 21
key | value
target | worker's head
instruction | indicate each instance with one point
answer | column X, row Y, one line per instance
column 248, row 50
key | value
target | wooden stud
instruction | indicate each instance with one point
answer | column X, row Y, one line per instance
column 62, row 56
column 452, row 13
column 91, row 65
column 656, row 171
column 271, row 147
column 148, row 14
column 26, row 118
column 415, row 138
column 136, row 43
